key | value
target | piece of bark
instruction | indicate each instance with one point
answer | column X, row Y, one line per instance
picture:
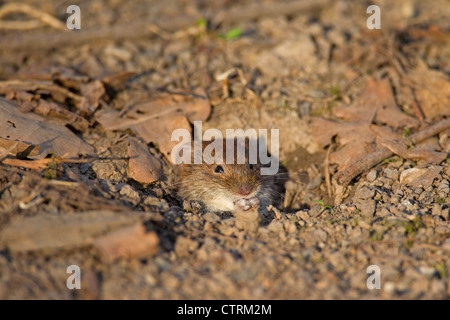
column 127, row 242
column 66, row 231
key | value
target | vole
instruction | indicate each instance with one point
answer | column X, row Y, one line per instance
column 222, row 186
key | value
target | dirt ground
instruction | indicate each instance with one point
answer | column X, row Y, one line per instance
column 90, row 113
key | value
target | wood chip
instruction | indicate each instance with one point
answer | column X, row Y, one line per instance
column 66, row 231
column 128, row 242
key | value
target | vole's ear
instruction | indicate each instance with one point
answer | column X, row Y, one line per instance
column 181, row 169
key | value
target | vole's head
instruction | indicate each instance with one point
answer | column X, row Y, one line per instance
column 219, row 181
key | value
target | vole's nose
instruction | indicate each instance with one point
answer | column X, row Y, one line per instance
column 244, row 189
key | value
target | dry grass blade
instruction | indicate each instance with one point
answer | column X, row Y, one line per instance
column 42, row 17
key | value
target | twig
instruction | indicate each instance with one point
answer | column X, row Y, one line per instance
column 25, row 85
column 140, row 28
column 42, row 17
column 346, row 175
column 41, row 163
column 327, row 170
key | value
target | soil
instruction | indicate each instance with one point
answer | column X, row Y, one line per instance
column 316, row 242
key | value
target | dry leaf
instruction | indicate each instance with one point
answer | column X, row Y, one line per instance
column 356, row 139
column 432, row 90
column 33, row 129
column 142, row 166
column 377, row 99
column 116, row 81
column 154, row 121
column 54, row 112
column 91, row 92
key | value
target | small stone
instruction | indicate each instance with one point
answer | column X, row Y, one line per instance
column 305, row 108
column 302, row 214
column 211, row 217
column 184, row 246
column 443, row 187
column 248, row 220
column 395, row 199
column 445, row 214
column 437, row 287
column 391, row 173
column 389, row 287
column 129, row 194
column 365, row 193
column 407, row 204
column 412, row 174
column 437, row 210
column 371, row 176
column 363, row 224
column 315, row 211
column 290, row 227
column 156, row 203
column 428, row 271
column 384, row 212
column 367, row 207
column 275, row 226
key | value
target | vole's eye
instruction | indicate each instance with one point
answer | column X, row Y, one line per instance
column 218, row 169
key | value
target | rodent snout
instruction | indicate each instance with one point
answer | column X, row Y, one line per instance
column 244, row 189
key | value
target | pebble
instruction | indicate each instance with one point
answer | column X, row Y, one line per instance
column 365, row 193
column 391, row 173
column 371, row 176
column 129, row 194
column 407, row 204
column 160, row 204
column 412, row 174
column 211, row 217
column 184, row 246
column 445, row 214
column 248, row 220
column 437, row 210
column 367, row 207
column 275, row 226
